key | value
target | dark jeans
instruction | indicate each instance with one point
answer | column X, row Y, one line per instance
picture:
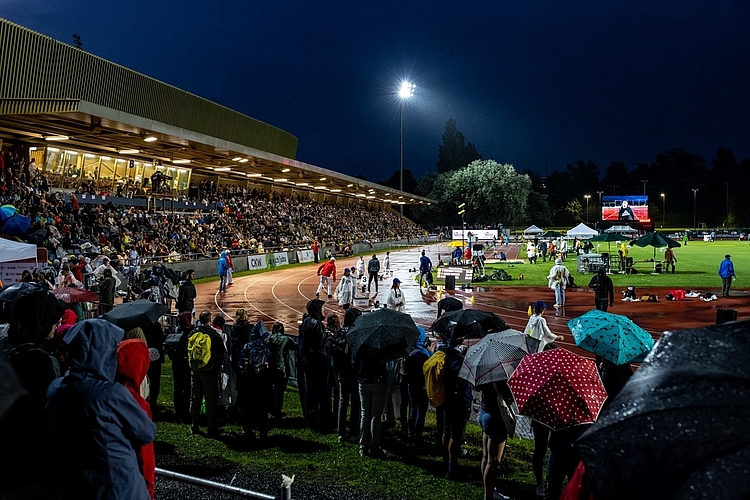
column 255, row 399
column 348, row 398
column 601, row 304
column 316, row 393
column 181, row 378
column 726, row 284
column 154, row 378
column 205, row 385
column 418, row 402
column 280, row 381
column 541, row 439
column 373, row 276
column 666, row 266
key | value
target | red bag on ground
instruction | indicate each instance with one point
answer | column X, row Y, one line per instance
column 678, row 294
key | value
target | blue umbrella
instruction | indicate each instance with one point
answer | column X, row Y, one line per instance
column 7, row 211
column 611, row 336
column 16, row 225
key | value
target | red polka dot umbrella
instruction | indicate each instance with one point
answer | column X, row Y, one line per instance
column 558, row 388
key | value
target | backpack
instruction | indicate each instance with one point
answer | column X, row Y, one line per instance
column 254, row 357
column 340, row 351
column 434, row 373
column 199, row 352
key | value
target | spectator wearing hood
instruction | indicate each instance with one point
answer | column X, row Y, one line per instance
column 107, row 287
column 343, row 364
column 97, row 421
column 223, row 267
column 133, row 360
column 280, row 345
column 186, row 294
column 418, row 400
column 313, row 345
column 257, row 400
column 29, row 445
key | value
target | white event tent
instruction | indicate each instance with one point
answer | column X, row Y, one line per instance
column 582, row 231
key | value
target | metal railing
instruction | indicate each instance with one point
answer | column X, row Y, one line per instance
column 285, row 490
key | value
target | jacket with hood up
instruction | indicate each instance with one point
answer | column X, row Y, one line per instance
column 312, row 334
column 222, row 264
column 97, row 421
column 133, row 361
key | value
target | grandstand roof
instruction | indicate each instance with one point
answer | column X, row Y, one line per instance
column 50, row 89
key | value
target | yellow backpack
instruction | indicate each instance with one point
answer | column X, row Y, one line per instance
column 199, row 352
column 434, row 371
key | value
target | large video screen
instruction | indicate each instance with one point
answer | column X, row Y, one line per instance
column 625, row 208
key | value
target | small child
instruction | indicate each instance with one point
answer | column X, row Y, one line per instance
column 537, row 326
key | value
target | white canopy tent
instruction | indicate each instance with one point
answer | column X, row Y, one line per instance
column 11, row 251
column 532, row 229
column 582, row 231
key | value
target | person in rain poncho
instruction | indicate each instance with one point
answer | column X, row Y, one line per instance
column 396, row 297
column 558, row 281
column 97, row 421
column 345, row 289
column 537, row 326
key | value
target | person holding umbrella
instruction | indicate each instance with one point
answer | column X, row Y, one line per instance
column 494, row 433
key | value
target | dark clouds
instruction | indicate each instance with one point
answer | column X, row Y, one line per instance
column 606, row 81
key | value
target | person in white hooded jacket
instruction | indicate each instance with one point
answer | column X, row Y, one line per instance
column 396, row 297
column 537, row 327
column 345, row 290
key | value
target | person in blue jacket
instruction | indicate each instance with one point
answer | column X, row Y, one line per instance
column 223, row 268
column 97, row 421
column 726, row 272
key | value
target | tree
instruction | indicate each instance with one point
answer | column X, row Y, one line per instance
column 394, row 181
column 494, row 193
column 454, row 153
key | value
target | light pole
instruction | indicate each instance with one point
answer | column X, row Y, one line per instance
column 695, row 191
column 463, row 224
column 405, row 92
column 613, row 188
column 663, row 210
column 587, row 207
column 644, row 181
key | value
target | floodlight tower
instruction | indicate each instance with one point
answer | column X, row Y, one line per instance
column 405, row 92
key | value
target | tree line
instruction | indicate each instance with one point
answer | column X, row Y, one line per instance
column 496, row 193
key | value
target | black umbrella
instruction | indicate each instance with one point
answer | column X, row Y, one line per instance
column 678, row 429
column 388, row 331
column 449, row 304
column 12, row 292
column 37, row 237
column 467, row 323
column 139, row 313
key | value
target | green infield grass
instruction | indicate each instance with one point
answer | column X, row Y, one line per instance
column 409, row 470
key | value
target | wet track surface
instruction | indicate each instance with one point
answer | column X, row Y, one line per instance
column 282, row 295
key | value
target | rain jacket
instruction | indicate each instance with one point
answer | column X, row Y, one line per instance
column 345, row 290
column 133, row 361
column 396, row 300
column 538, row 329
column 328, row 268
column 313, row 334
column 223, row 264
column 97, row 421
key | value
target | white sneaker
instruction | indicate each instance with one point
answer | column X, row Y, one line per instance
column 499, row 496
column 557, row 306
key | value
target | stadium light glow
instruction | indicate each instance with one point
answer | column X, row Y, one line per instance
column 150, row 138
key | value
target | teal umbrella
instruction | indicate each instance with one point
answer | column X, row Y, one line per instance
column 611, row 336
column 7, row 211
column 608, row 237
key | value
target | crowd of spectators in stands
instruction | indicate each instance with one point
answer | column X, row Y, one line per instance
column 244, row 221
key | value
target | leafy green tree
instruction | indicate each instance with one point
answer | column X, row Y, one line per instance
column 394, row 181
column 493, row 193
column 454, row 153
column 538, row 210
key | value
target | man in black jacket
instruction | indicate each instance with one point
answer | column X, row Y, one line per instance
column 313, row 347
column 604, row 291
column 206, row 379
column 186, row 295
column 373, row 268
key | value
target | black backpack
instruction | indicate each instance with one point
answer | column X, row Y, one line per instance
column 254, row 357
column 340, row 351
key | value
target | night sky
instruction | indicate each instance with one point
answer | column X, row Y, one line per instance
column 592, row 80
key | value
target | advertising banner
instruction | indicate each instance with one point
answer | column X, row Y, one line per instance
column 280, row 259
column 461, row 273
column 305, row 256
column 256, row 262
column 11, row 272
column 479, row 234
